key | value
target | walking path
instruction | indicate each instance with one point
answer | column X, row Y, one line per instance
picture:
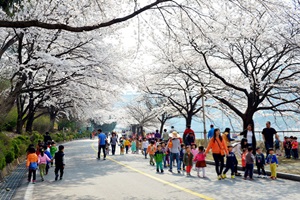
column 131, row 177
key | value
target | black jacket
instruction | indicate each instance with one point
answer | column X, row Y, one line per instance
column 244, row 134
column 59, row 159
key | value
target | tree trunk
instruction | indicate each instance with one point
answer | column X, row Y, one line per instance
column 248, row 119
column 189, row 119
column 52, row 120
column 29, row 123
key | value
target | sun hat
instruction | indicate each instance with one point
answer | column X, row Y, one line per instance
column 174, row 134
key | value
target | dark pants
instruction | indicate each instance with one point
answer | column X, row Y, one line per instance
column 287, row 152
column 268, row 146
column 145, row 152
column 249, row 171
column 295, row 153
column 127, row 148
column 219, row 163
column 47, row 168
column 231, row 167
column 103, row 150
column 32, row 172
column 262, row 168
column 113, row 149
column 60, row 169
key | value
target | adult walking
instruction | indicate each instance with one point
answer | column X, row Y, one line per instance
column 268, row 136
column 113, row 142
column 174, row 150
column 211, row 132
column 188, row 131
column 219, row 150
column 157, row 135
column 226, row 136
column 101, row 144
column 250, row 136
column 165, row 136
column 47, row 138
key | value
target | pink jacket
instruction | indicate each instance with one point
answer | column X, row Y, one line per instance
column 200, row 157
column 44, row 159
column 194, row 152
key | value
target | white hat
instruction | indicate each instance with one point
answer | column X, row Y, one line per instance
column 174, row 134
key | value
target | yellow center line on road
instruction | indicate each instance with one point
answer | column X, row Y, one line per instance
column 158, row 179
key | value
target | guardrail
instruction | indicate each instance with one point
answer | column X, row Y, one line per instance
column 258, row 135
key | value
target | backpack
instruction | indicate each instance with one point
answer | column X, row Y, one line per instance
column 33, row 165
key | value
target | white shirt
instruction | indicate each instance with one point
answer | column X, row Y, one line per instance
column 249, row 137
column 145, row 144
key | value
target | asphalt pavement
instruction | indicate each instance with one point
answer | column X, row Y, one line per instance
column 131, row 177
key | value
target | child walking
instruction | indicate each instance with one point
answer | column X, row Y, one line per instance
column 188, row 160
column 145, row 146
column 260, row 163
column 127, row 145
column 231, row 162
column 287, row 145
column 200, row 162
column 151, row 151
column 31, row 164
column 121, row 144
column 53, row 150
column 59, row 162
column 158, row 157
column 249, row 164
column 295, row 148
column 273, row 162
column 181, row 154
column 42, row 160
column 244, row 154
column 133, row 146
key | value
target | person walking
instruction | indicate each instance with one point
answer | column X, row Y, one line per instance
column 219, row 150
column 211, row 132
column 188, row 131
column 250, row 136
column 113, row 142
column 165, row 136
column 174, row 150
column 268, row 136
column 42, row 161
column 101, row 144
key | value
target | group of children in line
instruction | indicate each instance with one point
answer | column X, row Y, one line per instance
column 42, row 158
column 191, row 155
column 159, row 153
column 290, row 146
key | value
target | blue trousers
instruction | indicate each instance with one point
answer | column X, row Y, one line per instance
column 176, row 157
column 249, row 170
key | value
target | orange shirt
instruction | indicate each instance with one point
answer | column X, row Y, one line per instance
column 151, row 150
column 32, row 157
column 218, row 146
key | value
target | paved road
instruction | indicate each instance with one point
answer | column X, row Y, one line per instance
column 131, row 177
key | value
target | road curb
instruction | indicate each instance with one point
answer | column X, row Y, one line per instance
column 282, row 175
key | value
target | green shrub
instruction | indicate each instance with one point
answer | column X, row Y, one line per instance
column 10, row 121
column 41, row 124
column 10, row 156
column 2, row 160
column 16, row 148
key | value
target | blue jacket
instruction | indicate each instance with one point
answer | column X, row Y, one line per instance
column 181, row 153
column 49, row 155
column 272, row 159
column 231, row 159
column 211, row 133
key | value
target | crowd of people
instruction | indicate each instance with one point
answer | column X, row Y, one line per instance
column 168, row 149
column 41, row 158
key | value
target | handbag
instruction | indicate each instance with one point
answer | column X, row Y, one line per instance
column 222, row 150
